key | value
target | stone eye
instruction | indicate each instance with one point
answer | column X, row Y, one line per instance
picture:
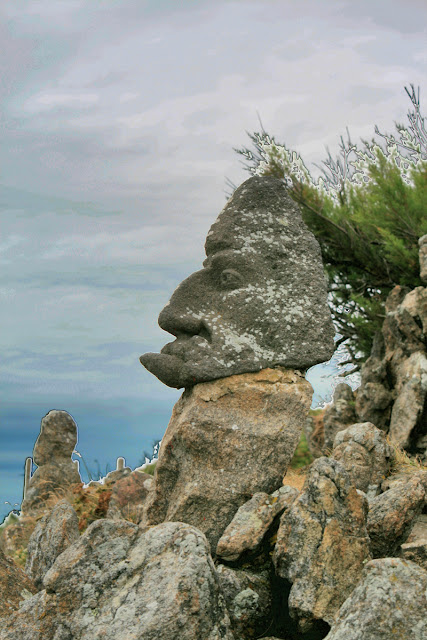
column 230, row 279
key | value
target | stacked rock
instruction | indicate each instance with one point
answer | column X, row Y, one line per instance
column 247, row 326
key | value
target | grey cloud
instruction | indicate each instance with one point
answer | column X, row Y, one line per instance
column 166, row 91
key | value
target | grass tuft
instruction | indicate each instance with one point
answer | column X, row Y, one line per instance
column 402, row 461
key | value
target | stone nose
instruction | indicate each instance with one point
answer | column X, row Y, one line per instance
column 182, row 325
column 175, row 323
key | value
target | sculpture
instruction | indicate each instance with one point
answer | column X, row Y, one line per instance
column 259, row 301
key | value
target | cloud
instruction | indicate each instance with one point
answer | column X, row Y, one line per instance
column 49, row 101
column 119, row 139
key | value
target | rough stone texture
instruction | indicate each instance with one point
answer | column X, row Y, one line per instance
column 52, row 535
column 404, row 324
column 415, row 548
column 364, row 452
column 115, row 476
column 389, row 602
column 16, row 536
column 339, row 415
column 248, row 599
column 391, row 516
column 252, row 521
column 227, row 440
column 411, row 398
column 404, row 474
column 15, row 586
column 393, row 390
column 423, row 257
column 374, row 397
column 119, row 583
column 52, row 453
column 128, row 496
column 57, row 439
column 322, row 543
column 259, row 302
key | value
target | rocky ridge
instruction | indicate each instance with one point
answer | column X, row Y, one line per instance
column 342, row 557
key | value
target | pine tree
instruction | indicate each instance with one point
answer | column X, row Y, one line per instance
column 367, row 222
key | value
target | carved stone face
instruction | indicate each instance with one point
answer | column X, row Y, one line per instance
column 364, row 452
column 259, row 301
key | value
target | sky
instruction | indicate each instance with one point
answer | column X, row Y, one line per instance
column 118, row 123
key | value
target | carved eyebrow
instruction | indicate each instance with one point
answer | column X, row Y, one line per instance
column 217, row 244
column 227, row 255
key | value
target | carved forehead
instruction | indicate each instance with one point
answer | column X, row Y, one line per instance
column 259, row 213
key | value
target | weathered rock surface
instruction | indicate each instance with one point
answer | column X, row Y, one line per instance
column 322, row 544
column 128, row 496
column 118, row 582
column 393, row 390
column 52, row 453
column 404, row 474
column 390, row 601
column 411, row 389
column 16, row 536
column 339, row 415
column 57, row 439
column 366, row 455
column 227, row 440
column 15, row 586
column 252, row 521
column 259, row 302
column 415, row 548
column 391, row 516
column 249, row 600
column 374, row 397
column 52, row 535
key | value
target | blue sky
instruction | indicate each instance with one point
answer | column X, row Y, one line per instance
column 118, row 126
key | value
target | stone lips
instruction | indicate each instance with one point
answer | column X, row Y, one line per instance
column 259, row 302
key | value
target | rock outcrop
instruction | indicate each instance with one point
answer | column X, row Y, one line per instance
column 214, row 547
column 390, row 601
column 365, row 454
column 249, row 600
column 117, row 582
column 252, row 521
column 52, row 454
column 393, row 390
column 284, row 565
column 227, row 440
column 339, row 415
column 322, row 544
column 415, row 548
column 128, row 496
column 15, row 586
column 392, row 515
column 52, row 535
